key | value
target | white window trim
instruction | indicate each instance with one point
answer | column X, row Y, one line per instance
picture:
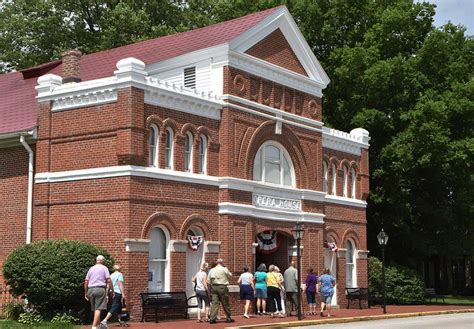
column 170, row 131
column 325, row 177
column 334, row 179
column 354, row 264
column 353, row 183
column 167, row 285
column 345, row 183
column 155, row 149
column 203, row 141
column 262, row 163
column 189, row 136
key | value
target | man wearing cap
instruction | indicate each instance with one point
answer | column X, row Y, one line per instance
column 96, row 285
column 219, row 278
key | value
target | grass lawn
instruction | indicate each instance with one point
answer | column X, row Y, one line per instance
column 454, row 300
column 6, row 324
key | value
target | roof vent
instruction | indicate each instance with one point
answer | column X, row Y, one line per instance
column 190, row 77
column 71, row 66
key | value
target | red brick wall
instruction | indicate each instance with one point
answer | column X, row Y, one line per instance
column 13, row 199
column 275, row 49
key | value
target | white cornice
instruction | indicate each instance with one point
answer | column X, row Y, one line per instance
column 345, row 142
column 345, row 201
column 275, row 73
column 238, row 209
column 276, row 112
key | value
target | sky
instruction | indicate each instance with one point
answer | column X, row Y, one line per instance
column 456, row 11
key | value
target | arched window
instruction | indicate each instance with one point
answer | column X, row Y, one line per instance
column 202, row 154
column 188, row 152
column 334, row 179
column 325, row 176
column 158, row 259
column 169, row 148
column 153, row 146
column 353, row 177
column 350, row 265
column 273, row 165
column 345, row 183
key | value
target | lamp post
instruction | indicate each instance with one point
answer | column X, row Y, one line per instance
column 383, row 239
column 298, row 232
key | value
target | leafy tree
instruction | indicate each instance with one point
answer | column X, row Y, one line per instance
column 51, row 273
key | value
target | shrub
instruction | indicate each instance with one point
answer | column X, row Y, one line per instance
column 13, row 310
column 402, row 285
column 65, row 318
column 51, row 273
column 30, row 318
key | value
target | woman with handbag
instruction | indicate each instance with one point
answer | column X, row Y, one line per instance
column 274, row 293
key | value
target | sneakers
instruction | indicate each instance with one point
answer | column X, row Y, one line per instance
column 246, row 316
column 103, row 325
column 229, row 320
column 259, row 313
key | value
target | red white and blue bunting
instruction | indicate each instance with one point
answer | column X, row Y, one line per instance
column 194, row 241
column 268, row 242
column 331, row 245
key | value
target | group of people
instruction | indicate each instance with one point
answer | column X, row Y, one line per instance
column 100, row 287
column 267, row 287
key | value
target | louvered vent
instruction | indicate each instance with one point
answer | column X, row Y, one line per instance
column 190, row 77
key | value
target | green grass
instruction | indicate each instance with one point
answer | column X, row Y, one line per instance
column 454, row 300
column 7, row 324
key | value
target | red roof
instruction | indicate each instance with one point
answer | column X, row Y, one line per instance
column 18, row 106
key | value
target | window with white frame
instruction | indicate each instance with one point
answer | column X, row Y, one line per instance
column 350, row 265
column 345, row 183
column 353, row 183
column 202, row 154
column 334, row 179
column 153, row 146
column 169, row 148
column 158, row 259
column 273, row 165
column 188, row 152
column 325, row 176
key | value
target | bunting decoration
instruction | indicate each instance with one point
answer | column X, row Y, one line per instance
column 331, row 245
column 194, row 241
column 268, row 242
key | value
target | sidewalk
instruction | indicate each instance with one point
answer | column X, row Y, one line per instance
column 338, row 315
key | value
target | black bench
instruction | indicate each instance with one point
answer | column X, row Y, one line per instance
column 176, row 301
column 357, row 294
column 430, row 293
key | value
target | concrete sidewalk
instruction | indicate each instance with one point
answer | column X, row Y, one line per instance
column 339, row 316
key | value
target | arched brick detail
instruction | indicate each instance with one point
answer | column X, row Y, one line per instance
column 354, row 165
column 154, row 119
column 202, row 130
column 199, row 221
column 350, row 234
column 159, row 218
column 189, row 127
column 266, row 132
column 333, row 233
column 327, row 160
column 170, row 123
column 334, row 160
column 344, row 162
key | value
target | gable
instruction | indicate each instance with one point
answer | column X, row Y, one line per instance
column 275, row 49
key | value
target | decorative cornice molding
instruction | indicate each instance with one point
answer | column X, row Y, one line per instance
column 346, row 142
column 274, row 73
column 94, row 98
column 345, row 201
column 238, row 209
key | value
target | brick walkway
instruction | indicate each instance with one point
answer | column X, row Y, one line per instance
column 337, row 313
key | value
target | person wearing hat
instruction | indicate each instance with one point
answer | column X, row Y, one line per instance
column 219, row 278
column 96, row 285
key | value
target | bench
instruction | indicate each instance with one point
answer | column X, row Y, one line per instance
column 357, row 294
column 176, row 301
column 430, row 293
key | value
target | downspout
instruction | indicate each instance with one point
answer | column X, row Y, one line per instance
column 29, row 213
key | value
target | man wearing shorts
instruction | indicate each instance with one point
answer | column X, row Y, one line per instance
column 96, row 285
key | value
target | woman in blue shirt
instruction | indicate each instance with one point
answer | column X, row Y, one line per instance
column 260, row 278
column 327, row 283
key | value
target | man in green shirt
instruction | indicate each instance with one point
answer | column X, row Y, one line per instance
column 219, row 278
column 291, row 286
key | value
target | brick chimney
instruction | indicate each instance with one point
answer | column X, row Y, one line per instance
column 71, row 66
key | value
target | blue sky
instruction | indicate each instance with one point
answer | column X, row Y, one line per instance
column 456, row 11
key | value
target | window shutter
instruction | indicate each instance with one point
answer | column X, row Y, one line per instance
column 190, row 77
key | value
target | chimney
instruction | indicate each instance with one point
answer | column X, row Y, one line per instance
column 71, row 66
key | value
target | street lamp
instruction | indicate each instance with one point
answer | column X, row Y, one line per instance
column 298, row 232
column 383, row 239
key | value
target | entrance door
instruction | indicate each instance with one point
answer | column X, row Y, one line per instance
column 330, row 261
column 194, row 259
column 157, row 260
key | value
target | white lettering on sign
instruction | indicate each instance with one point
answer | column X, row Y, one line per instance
column 265, row 201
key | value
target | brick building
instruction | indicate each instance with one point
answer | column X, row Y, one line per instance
column 216, row 132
